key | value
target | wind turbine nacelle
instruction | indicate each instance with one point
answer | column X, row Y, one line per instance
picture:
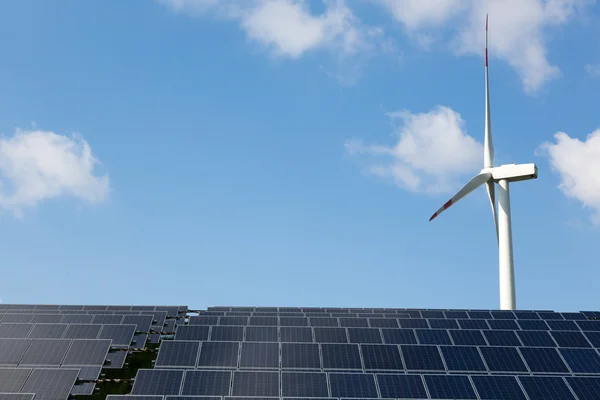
column 515, row 172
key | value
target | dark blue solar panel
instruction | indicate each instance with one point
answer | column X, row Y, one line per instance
column 573, row 316
column 399, row 336
column 206, row 383
column 473, row 324
column 353, row 385
column 450, row 387
column 157, row 382
column 252, row 383
column 468, row 337
column 259, row 355
column 545, row 388
column 479, row 315
column 594, row 338
column 503, row 314
column 323, row 321
column 543, row 359
column 174, row 353
column 413, row 323
column 304, row 384
column 583, row 361
column 354, row 322
column 330, row 335
column 383, row 323
column 261, row 334
column 300, row 355
column 527, row 315
column 203, row 320
column 456, row 314
column 218, row 354
column 462, row 358
column 295, row 334
column 237, row 320
column 533, row 325
column 443, row 324
column 82, row 331
column 192, row 332
column 381, row 357
column 570, row 339
column 536, row 338
column 585, row 388
column 498, row 387
column 227, row 333
column 503, row 324
column 401, row 386
column 364, row 335
column 422, row 358
column 589, row 325
column 563, row 325
column 293, row 321
column 433, row 336
column 550, row 315
column 503, row 359
column 502, row 338
column 432, row 314
column 263, row 321
column 341, row 356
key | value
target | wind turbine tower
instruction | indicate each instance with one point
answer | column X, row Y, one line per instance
column 503, row 176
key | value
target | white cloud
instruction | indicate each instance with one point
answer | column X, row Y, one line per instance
column 577, row 163
column 432, row 151
column 518, row 29
column 288, row 28
column 38, row 165
column 593, row 70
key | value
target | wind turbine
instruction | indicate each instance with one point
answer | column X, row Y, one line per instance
column 489, row 176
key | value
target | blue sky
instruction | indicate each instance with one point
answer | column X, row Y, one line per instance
column 203, row 152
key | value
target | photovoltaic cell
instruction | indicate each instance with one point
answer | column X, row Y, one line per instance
column 12, row 351
column 203, row 320
column 47, row 331
column 227, row 333
column 352, row 385
column 543, row 359
column 50, row 384
column 341, row 356
column 570, row 339
column 157, row 382
column 502, row 338
column 252, row 383
column 383, row 323
column 354, row 322
column 422, row 358
column 498, row 387
column 563, row 325
column 589, row 325
column 443, row 324
column 219, row 354
column 503, row 324
column 381, row 357
column 87, row 352
column 293, row 321
column 82, row 331
column 264, row 321
column 259, row 355
column 121, row 335
column 536, row 338
column 17, row 396
column 401, row 386
column 192, row 332
column 206, row 383
column 467, row 337
column 582, row 361
column 527, row 315
column 585, row 388
column 46, row 318
column 300, row 355
column 12, row 379
column 15, row 330
column 545, row 388
column 324, row 321
column 399, row 336
column 594, row 338
column 433, row 336
column 17, row 318
column 462, row 358
column 432, row 314
column 503, row 359
column 295, row 334
column 107, row 319
column 533, row 325
column 45, row 352
column 473, row 324
column 364, row 335
column 330, row 335
column 450, row 387
column 456, row 314
column 77, row 319
column 503, row 314
column 261, row 334
column 414, row 323
column 177, row 353
column 142, row 322
column 304, row 384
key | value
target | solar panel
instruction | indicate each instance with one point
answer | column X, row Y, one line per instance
column 450, row 387
column 253, row 383
column 322, row 321
column 381, row 357
column 583, row 361
column 467, row 337
column 502, row 338
column 47, row 331
column 395, row 386
column 383, row 323
column 12, row 351
column 498, row 387
column 295, row 334
column 142, row 322
column 18, row 318
column 300, row 356
column 533, row 325
column 17, row 396
column 45, row 352
column 261, row 334
column 219, row 354
column 15, row 330
column 473, row 324
column 227, row 333
column 192, row 332
column 543, row 359
column 206, row 383
column 503, row 359
column 422, row 358
column 570, row 339
column 50, row 384
column 157, row 382
column 399, row 336
column 178, row 353
column 304, row 384
column 46, row 318
column 433, row 336
column 364, row 335
column 443, row 323
column 353, row 385
column 259, row 355
column 87, row 352
column 545, row 388
column 12, row 379
column 536, row 338
column 121, row 335
column 586, row 388
column 341, row 356
column 77, row 319
column 414, row 323
column 330, row 335
column 462, row 358
column 82, row 331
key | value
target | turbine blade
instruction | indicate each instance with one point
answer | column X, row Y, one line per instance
column 488, row 147
column 491, row 191
column 468, row 188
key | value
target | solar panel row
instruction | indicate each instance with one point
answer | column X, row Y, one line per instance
column 53, row 352
column 46, row 384
column 363, row 385
column 121, row 335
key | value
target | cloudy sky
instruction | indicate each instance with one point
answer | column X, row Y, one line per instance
column 283, row 152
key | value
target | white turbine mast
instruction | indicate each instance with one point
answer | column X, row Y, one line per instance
column 501, row 175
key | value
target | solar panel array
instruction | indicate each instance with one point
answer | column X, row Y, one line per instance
column 268, row 352
column 49, row 352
